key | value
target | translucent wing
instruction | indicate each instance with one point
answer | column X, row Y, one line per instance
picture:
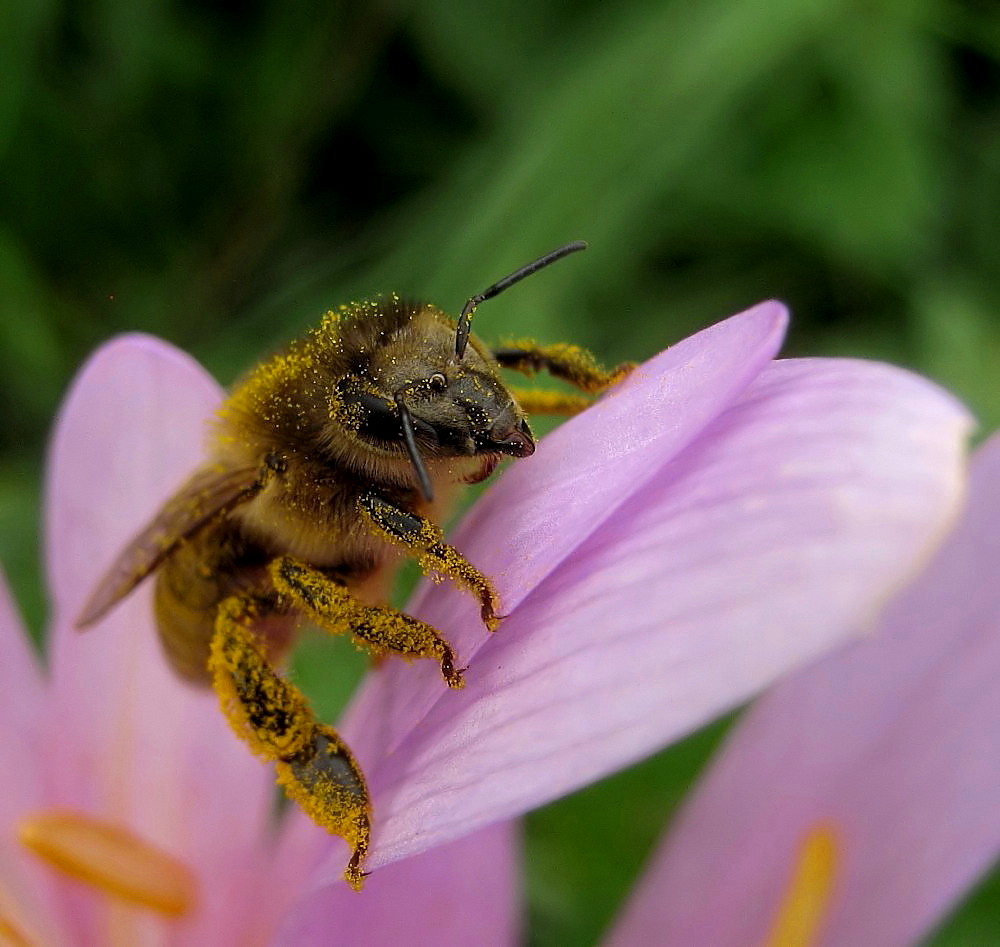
column 209, row 493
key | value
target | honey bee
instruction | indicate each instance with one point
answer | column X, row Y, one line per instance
column 327, row 463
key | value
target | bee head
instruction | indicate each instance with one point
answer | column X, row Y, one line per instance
column 425, row 389
column 431, row 404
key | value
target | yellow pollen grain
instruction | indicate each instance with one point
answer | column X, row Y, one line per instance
column 111, row 858
column 804, row 906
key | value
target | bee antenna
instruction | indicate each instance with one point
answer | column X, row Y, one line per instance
column 411, row 448
column 465, row 320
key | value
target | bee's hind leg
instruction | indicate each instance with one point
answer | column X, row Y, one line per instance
column 379, row 630
column 313, row 764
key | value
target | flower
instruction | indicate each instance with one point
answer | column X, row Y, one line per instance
column 741, row 517
column 108, row 735
column 865, row 786
column 718, row 520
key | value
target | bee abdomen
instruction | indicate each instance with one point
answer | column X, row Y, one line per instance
column 189, row 587
column 185, row 632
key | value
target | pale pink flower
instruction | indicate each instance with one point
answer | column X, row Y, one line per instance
column 873, row 775
column 717, row 521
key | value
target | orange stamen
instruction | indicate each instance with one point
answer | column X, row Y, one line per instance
column 10, row 934
column 111, row 858
column 804, row 906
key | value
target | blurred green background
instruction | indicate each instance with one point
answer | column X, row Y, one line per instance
column 219, row 174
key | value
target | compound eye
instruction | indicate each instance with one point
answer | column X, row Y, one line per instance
column 437, row 382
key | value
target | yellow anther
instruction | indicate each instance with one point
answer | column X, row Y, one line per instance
column 804, row 907
column 111, row 858
column 11, row 935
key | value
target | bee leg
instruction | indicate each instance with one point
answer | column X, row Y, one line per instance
column 313, row 765
column 425, row 541
column 563, row 404
column 569, row 362
column 377, row 629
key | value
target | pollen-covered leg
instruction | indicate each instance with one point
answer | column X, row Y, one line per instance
column 569, row 362
column 313, row 765
column 379, row 630
column 560, row 403
column 324, row 779
column 426, row 542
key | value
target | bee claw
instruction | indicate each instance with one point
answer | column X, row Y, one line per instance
column 453, row 676
column 489, row 617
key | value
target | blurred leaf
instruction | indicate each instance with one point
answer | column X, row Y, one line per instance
column 588, row 850
column 974, row 921
column 33, row 356
column 859, row 175
column 19, row 543
column 21, row 26
column 959, row 343
column 327, row 670
column 612, row 117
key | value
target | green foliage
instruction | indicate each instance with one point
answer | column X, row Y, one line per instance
column 586, row 851
column 219, row 174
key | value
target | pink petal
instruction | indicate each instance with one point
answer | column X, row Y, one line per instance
column 545, row 506
column 130, row 430
column 463, row 893
column 26, row 892
column 775, row 535
column 549, row 503
column 22, row 693
column 128, row 740
column 893, row 742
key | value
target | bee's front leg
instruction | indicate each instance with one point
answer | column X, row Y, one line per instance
column 377, row 629
column 569, row 362
column 425, row 542
column 313, row 764
column 533, row 401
